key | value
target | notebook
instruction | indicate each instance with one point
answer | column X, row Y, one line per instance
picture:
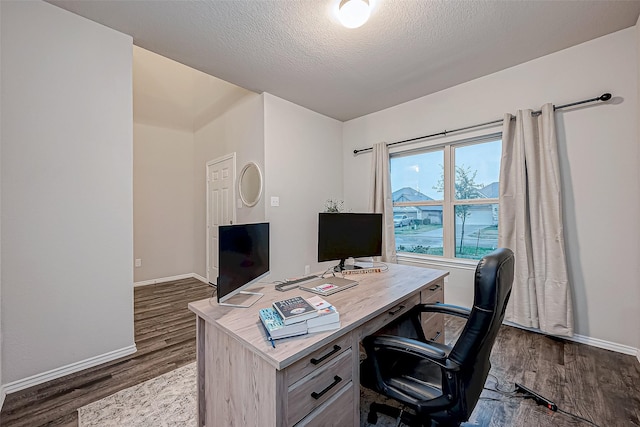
column 328, row 286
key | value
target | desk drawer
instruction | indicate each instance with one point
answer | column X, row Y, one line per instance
column 434, row 293
column 317, row 359
column 335, row 412
column 318, row 387
column 388, row 316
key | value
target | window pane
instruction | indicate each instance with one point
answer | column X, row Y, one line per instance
column 417, row 177
column 418, row 229
column 476, row 230
column 478, row 170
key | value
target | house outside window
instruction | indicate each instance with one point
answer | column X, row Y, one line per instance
column 445, row 198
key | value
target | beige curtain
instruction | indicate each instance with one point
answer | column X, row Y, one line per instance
column 381, row 201
column 530, row 223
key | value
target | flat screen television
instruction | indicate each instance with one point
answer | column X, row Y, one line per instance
column 243, row 258
column 346, row 235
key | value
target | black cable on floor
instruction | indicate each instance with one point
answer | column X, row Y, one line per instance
column 578, row 417
column 512, row 394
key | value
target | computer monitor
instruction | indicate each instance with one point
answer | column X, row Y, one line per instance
column 345, row 235
column 243, row 258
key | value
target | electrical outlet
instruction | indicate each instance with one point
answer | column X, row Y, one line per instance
column 307, row 270
column 138, row 262
column 275, row 201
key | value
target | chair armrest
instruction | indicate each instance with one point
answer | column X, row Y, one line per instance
column 410, row 346
column 438, row 307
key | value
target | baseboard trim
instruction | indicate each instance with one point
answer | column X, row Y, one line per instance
column 170, row 279
column 583, row 339
column 67, row 369
column 607, row 345
column 3, row 394
column 199, row 277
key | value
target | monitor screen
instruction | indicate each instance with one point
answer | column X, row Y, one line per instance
column 243, row 257
column 345, row 235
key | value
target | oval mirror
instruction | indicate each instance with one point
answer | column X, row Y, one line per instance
column 250, row 184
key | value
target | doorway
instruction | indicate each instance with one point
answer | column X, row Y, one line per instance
column 221, row 195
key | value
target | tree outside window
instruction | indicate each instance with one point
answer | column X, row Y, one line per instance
column 453, row 205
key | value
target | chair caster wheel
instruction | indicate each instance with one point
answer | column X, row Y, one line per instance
column 372, row 418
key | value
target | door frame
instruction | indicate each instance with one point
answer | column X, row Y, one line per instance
column 230, row 156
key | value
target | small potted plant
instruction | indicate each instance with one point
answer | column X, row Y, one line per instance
column 334, row 206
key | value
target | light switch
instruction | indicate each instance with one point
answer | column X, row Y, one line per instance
column 275, row 201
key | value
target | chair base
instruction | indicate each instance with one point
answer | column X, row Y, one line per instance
column 406, row 418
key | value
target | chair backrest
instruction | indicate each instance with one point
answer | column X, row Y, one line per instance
column 493, row 280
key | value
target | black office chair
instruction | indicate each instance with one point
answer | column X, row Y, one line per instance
column 441, row 385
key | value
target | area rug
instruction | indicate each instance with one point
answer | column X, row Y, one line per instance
column 169, row 400
column 164, row 401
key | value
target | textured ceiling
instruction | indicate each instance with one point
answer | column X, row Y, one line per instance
column 295, row 49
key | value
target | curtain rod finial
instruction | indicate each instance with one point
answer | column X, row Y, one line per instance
column 605, row 97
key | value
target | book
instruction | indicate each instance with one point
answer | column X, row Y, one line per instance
column 275, row 326
column 294, row 310
column 325, row 327
column 327, row 313
column 318, row 302
column 330, row 286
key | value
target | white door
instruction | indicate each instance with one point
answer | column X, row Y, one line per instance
column 220, row 207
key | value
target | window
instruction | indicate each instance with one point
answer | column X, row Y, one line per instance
column 445, row 198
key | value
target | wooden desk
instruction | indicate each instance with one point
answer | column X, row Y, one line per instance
column 244, row 381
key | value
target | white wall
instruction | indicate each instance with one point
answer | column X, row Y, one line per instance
column 637, row 28
column 163, row 202
column 67, row 273
column 241, row 130
column 304, row 169
column 598, row 148
column 2, row 393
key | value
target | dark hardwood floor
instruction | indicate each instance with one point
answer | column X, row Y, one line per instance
column 165, row 338
column 599, row 385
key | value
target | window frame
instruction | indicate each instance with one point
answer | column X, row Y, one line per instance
column 448, row 201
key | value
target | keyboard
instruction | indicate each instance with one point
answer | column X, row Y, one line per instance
column 291, row 284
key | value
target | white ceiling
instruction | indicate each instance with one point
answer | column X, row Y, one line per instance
column 169, row 94
column 295, row 49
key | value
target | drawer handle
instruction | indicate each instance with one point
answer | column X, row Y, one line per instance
column 336, row 348
column 436, row 337
column 434, row 288
column 336, row 380
column 399, row 309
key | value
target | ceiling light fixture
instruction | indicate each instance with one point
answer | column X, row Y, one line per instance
column 354, row 13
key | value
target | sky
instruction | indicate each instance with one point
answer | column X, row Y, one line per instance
column 422, row 171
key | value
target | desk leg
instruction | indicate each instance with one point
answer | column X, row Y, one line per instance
column 355, row 345
column 200, row 326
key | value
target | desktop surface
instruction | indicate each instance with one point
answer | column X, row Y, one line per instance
column 375, row 293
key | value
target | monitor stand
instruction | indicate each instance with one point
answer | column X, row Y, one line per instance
column 242, row 300
column 340, row 267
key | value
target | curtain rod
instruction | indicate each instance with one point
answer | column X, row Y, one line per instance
column 603, row 97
